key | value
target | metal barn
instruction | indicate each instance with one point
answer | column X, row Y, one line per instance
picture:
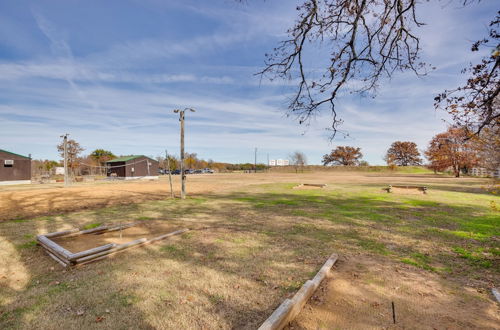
column 133, row 167
column 14, row 168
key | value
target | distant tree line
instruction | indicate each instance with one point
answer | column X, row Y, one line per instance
column 455, row 150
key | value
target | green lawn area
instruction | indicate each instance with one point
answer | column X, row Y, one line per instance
column 246, row 252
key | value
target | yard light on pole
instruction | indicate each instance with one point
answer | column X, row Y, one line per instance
column 183, row 175
column 65, row 144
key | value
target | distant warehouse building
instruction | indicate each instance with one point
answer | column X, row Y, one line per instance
column 133, row 167
column 14, row 168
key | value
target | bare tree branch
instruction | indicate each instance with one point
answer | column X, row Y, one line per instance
column 476, row 105
column 369, row 40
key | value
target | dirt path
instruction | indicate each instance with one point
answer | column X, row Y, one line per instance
column 362, row 288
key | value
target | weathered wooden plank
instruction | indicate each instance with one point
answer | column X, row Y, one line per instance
column 290, row 308
column 93, row 230
column 159, row 238
column 113, row 250
column 93, row 260
column 54, row 246
column 314, row 185
column 48, row 249
column 56, row 258
column 95, row 250
column 496, row 294
column 124, row 226
column 61, row 233
column 277, row 317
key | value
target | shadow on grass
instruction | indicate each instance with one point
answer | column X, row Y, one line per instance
column 268, row 243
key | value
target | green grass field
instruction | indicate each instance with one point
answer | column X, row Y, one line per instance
column 247, row 250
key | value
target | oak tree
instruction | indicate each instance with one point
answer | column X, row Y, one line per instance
column 452, row 150
column 403, row 154
column 343, row 155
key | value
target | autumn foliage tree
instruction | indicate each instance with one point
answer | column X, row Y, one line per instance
column 487, row 144
column 74, row 150
column 476, row 105
column 403, row 154
column 452, row 149
column 343, row 155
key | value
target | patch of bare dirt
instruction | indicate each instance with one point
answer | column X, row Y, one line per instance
column 362, row 289
column 142, row 230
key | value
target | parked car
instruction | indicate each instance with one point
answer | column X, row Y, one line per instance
column 176, row 172
column 208, row 170
column 198, row 171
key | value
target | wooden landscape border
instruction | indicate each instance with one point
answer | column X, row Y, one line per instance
column 69, row 259
column 421, row 188
column 320, row 185
column 290, row 308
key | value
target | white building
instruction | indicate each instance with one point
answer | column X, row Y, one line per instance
column 480, row 171
column 279, row 162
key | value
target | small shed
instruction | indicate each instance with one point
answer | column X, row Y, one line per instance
column 133, row 167
column 14, row 168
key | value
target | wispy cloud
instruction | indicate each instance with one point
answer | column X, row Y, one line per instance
column 62, row 51
column 117, row 90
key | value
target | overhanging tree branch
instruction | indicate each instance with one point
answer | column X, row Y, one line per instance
column 369, row 40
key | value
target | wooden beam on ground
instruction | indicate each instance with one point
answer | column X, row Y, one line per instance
column 322, row 185
column 290, row 308
column 53, row 246
column 62, row 262
column 120, row 227
column 95, row 250
column 113, row 250
column 62, row 233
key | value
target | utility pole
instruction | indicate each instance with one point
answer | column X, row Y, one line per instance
column 183, row 175
column 169, row 173
column 267, row 166
column 65, row 143
column 255, row 162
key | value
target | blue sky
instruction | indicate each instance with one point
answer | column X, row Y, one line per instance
column 110, row 73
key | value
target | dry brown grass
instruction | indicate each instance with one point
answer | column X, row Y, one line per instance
column 27, row 201
column 254, row 241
